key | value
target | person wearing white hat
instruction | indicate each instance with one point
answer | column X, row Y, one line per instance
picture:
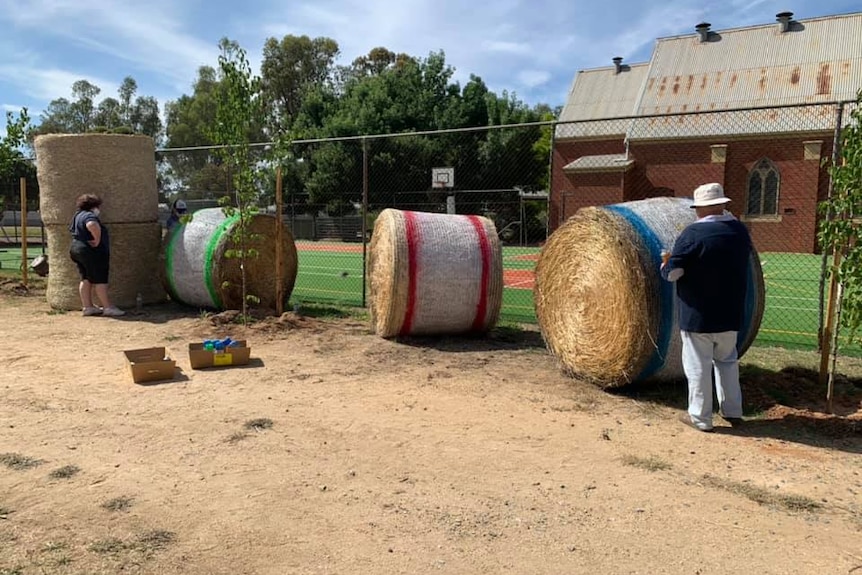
column 709, row 266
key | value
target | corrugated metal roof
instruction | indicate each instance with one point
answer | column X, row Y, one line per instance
column 603, row 162
column 602, row 93
column 817, row 60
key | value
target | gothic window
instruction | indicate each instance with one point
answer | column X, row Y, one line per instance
column 763, row 181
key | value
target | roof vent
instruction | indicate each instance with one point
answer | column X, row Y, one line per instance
column 618, row 64
column 784, row 19
column 703, row 30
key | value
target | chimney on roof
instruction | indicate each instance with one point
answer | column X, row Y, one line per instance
column 618, row 64
column 784, row 19
column 703, row 30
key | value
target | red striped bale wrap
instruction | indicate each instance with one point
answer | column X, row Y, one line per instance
column 434, row 274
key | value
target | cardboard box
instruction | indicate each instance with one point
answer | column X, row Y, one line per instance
column 150, row 364
column 201, row 358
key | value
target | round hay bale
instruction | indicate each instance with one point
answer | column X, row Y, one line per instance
column 197, row 270
column 118, row 168
column 603, row 308
column 434, row 274
column 134, row 260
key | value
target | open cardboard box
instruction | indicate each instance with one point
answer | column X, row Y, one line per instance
column 201, row 358
column 150, row 364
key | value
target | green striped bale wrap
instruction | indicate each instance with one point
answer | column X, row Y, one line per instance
column 200, row 268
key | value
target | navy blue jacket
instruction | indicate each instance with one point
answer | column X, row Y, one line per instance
column 712, row 256
column 79, row 230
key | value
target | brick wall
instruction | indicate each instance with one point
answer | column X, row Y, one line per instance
column 676, row 168
column 561, row 183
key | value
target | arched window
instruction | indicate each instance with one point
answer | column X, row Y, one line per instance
column 763, row 183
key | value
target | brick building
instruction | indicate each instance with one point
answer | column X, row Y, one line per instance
column 752, row 108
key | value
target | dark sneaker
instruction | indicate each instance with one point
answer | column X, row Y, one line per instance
column 686, row 419
column 734, row 421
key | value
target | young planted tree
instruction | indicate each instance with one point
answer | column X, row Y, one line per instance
column 11, row 157
column 839, row 236
column 238, row 108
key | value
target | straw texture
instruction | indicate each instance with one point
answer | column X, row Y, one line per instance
column 434, row 274
column 197, row 271
column 134, row 257
column 603, row 308
column 118, row 168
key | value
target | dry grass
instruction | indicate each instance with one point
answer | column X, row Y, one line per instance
column 19, row 462
column 651, row 463
column 146, row 543
column 122, row 503
column 65, row 472
column 237, row 437
column 258, row 424
column 763, row 496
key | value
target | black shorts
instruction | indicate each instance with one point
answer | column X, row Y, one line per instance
column 93, row 264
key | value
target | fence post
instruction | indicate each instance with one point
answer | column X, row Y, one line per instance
column 279, row 247
column 551, row 180
column 836, row 154
column 364, row 216
column 23, row 184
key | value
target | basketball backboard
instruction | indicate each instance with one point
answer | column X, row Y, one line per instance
column 442, row 177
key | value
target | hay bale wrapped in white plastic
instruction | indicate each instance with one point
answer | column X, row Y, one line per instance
column 200, row 267
column 434, row 274
column 120, row 169
column 134, row 260
column 603, row 308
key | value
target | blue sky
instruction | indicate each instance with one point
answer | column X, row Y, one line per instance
column 530, row 47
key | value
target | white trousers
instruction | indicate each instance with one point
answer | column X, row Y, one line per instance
column 701, row 354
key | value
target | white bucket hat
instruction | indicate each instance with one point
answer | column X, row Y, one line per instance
column 709, row 195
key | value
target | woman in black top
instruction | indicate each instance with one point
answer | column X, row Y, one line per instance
column 91, row 251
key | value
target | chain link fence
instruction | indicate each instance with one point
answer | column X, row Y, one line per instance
column 773, row 163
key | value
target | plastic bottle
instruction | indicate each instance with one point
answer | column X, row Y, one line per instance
column 209, row 345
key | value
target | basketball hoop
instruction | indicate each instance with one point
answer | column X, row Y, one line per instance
column 442, row 178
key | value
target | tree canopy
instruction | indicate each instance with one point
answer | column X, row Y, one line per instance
column 127, row 113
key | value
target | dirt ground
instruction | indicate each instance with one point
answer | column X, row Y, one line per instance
column 335, row 451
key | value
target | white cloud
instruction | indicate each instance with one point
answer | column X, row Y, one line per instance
column 533, row 47
column 48, row 84
column 506, row 47
column 149, row 35
column 533, row 78
column 14, row 108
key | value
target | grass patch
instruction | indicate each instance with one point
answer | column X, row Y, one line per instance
column 237, row 437
column 258, row 424
column 108, row 546
column 323, row 311
column 52, row 546
column 763, row 496
column 146, row 543
column 122, row 503
column 65, row 472
column 15, row 571
column 57, row 312
column 19, row 462
column 172, row 337
column 155, row 540
column 651, row 463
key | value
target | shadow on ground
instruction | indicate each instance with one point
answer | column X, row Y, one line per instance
column 499, row 339
column 788, row 404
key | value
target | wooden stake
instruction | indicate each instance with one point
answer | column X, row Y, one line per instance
column 24, row 260
column 829, row 327
column 279, row 245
